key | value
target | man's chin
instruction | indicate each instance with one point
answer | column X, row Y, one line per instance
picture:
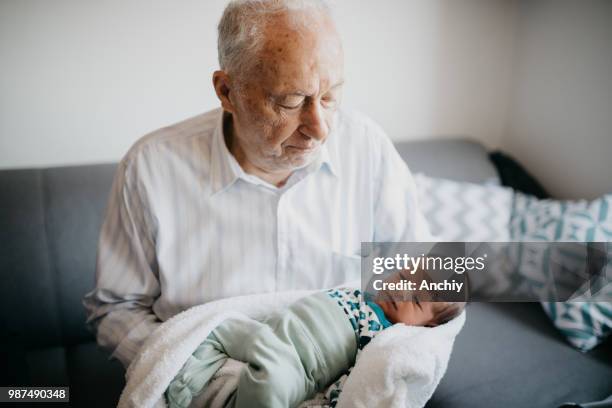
column 301, row 159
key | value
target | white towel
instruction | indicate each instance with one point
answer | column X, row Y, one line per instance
column 401, row 367
column 171, row 344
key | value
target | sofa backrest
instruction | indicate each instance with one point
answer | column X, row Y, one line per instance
column 49, row 224
column 454, row 159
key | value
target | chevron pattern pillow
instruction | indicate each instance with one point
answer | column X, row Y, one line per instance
column 551, row 220
column 459, row 211
column 584, row 324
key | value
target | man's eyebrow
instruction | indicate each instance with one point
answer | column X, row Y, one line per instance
column 290, row 93
column 299, row 92
column 337, row 84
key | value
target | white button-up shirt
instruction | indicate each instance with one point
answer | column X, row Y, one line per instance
column 186, row 225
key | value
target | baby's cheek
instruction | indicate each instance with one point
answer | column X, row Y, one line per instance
column 402, row 316
column 391, row 317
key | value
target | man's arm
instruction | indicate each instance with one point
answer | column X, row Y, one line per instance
column 120, row 306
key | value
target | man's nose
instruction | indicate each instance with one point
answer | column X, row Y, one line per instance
column 313, row 121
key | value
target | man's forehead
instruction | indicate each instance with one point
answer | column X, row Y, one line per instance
column 301, row 59
column 282, row 34
column 286, row 76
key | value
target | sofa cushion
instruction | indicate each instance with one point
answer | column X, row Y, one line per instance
column 49, row 223
column 95, row 381
column 510, row 355
column 28, row 299
column 454, row 159
column 75, row 202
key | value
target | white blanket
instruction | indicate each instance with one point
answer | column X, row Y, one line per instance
column 401, row 367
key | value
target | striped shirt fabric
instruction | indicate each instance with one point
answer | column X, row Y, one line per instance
column 186, row 225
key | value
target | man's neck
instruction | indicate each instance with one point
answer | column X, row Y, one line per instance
column 277, row 179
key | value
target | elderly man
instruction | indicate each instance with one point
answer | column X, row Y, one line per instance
column 275, row 190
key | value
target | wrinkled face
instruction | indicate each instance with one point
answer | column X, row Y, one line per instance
column 284, row 109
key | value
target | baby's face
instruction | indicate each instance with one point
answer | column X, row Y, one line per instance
column 413, row 313
column 410, row 307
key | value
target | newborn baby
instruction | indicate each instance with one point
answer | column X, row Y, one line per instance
column 301, row 351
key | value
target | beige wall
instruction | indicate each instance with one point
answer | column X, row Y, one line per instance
column 560, row 123
column 82, row 80
column 430, row 68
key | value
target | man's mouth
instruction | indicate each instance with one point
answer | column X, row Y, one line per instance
column 303, row 149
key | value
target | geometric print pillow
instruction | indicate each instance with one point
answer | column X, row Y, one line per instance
column 551, row 220
column 460, row 211
column 584, row 324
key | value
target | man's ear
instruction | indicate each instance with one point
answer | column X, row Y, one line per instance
column 223, row 88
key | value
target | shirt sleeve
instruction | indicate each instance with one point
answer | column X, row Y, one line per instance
column 120, row 306
column 397, row 215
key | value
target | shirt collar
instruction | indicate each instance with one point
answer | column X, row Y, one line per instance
column 225, row 169
column 328, row 158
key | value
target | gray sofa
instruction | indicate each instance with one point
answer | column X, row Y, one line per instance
column 508, row 355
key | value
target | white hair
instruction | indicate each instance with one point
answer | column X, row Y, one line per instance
column 241, row 29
